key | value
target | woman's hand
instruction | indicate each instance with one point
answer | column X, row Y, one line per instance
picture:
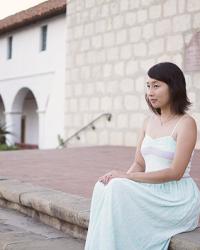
column 112, row 174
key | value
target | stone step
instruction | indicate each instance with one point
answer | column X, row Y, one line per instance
column 52, row 244
column 20, row 232
column 66, row 212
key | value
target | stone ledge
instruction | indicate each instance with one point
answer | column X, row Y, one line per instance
column 66, row 212
column 186, row 241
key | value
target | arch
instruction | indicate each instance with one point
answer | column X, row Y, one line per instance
column 18, row 101
column 24, row 119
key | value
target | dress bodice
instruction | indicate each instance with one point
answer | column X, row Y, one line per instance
column 158, row 153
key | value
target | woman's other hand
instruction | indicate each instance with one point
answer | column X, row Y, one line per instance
column 112, row 174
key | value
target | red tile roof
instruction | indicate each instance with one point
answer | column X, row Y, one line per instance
column 37, row 13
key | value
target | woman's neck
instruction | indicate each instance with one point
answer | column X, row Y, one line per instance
column 166, row 116
column 166, row 112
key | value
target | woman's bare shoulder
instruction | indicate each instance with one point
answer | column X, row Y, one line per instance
column 147, row 120
column 188, row 119
column 188, row 123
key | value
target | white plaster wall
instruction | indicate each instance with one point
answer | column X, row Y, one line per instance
column 43, row 72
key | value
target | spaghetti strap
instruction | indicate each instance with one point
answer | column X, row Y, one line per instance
column 176, row 125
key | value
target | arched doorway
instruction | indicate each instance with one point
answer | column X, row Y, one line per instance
column 2, row 121
column 25, row 109
column 2, row 111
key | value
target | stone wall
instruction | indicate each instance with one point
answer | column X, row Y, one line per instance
column 110, row 46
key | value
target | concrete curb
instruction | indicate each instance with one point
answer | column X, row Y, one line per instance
column 66, row 212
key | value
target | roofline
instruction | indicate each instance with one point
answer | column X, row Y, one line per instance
column 32, row 15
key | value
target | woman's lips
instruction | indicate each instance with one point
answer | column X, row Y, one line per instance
column 153, row 101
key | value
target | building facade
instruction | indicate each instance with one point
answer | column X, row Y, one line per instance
column 59, row 71
column 110, row 46
column 32, row 75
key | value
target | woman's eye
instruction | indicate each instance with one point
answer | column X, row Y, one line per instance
column 156, row 86
column 148, row 86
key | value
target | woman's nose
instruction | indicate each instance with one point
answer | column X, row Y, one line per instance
column 150, row 91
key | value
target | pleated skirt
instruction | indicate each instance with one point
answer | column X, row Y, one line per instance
column 130, row 215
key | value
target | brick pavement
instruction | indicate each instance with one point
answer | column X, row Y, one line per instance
column 72, row 170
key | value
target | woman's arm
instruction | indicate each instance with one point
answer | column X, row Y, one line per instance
column 159, row 176
column 139, row 163
column 186, row 140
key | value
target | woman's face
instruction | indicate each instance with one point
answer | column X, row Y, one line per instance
column 158, row 93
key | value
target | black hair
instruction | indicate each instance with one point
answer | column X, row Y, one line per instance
column 173, row 76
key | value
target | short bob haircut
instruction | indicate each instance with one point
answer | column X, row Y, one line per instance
column 173, row 76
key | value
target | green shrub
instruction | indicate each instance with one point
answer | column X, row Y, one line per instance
column 6, row 147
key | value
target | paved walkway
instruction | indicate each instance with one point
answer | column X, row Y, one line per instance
column 19, row 232
column 72, row 170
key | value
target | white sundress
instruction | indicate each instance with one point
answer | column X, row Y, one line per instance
column 130, row 215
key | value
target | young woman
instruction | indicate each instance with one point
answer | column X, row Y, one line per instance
column 141, row 209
